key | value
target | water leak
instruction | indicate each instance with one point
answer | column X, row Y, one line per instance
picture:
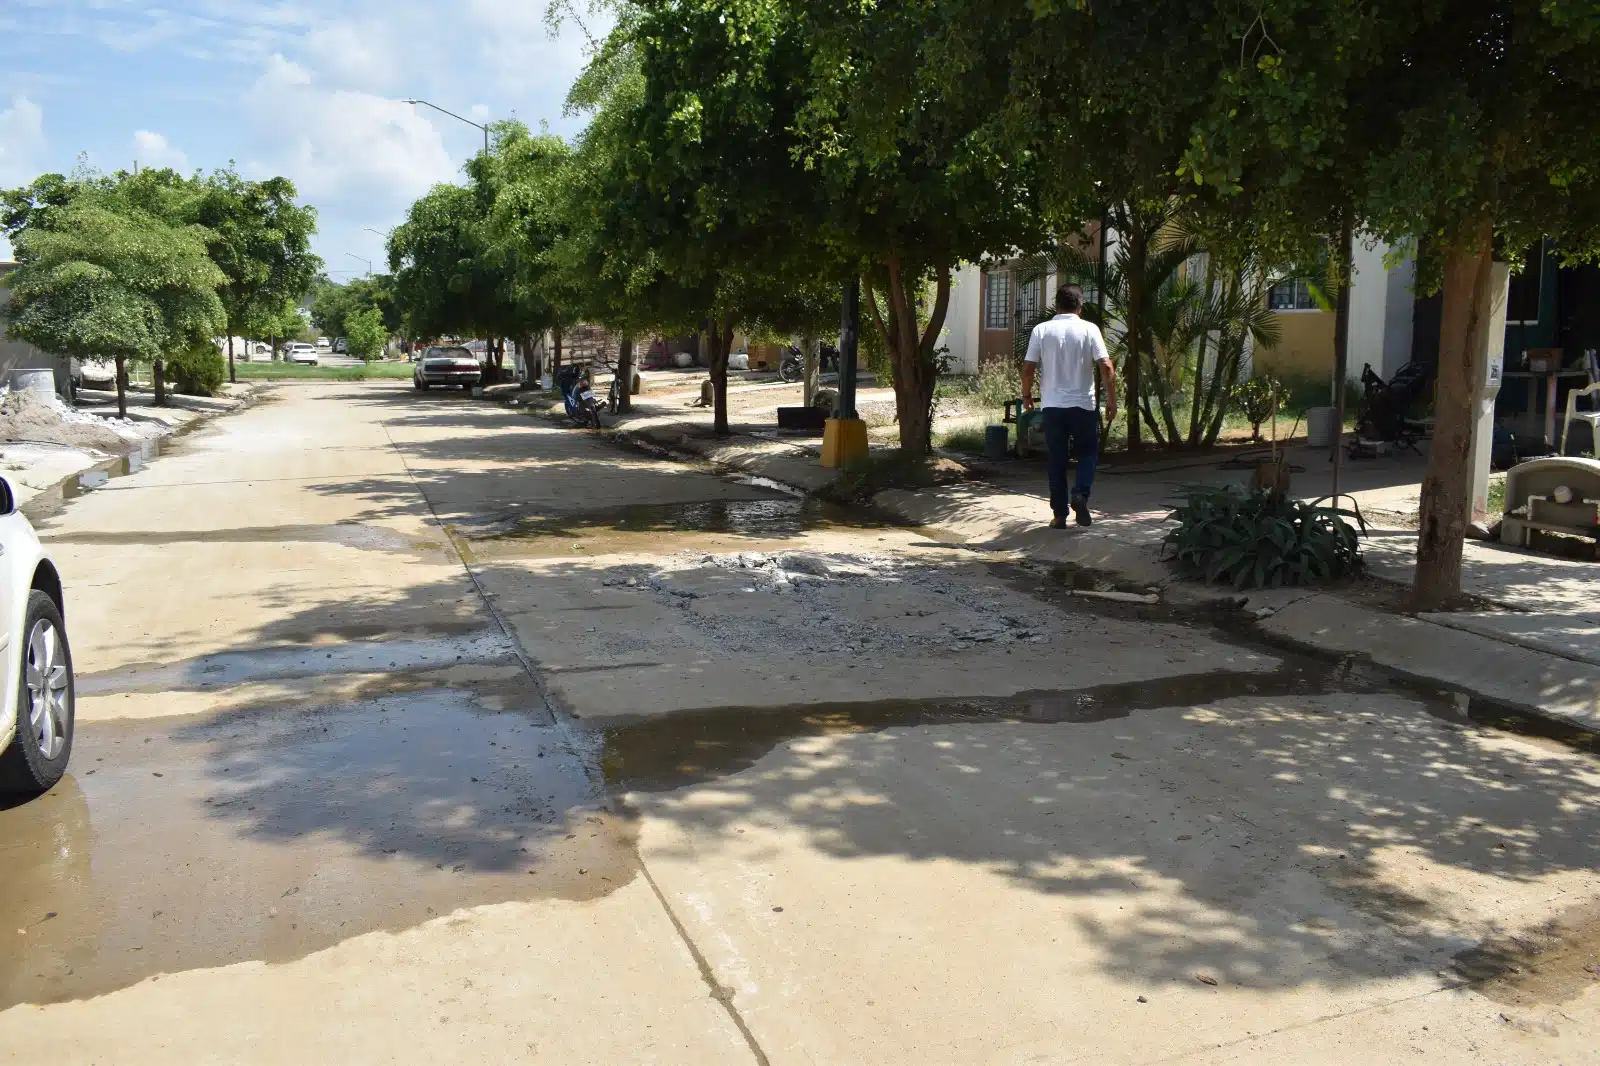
column 705, row 525
column 682, row 748
column 185, row 843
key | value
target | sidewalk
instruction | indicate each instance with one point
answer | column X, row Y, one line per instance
column 91, row 437
column 1538, row 651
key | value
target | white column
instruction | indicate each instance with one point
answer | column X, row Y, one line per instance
column 1485, row 390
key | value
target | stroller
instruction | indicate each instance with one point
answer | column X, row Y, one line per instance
column 1382, row 424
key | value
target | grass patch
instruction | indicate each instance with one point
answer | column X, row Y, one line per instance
column 966, row 435
column 297, row 372
column 1497, row 496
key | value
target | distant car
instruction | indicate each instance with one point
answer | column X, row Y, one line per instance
column 94, row 373
column 37, row 696
column 303, row 353
column 445, row 365
column 322, row 344
column 340, row 346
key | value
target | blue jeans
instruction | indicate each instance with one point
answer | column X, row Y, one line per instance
column 1065, row 427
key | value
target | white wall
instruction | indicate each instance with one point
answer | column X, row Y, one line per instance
column 963, row 318
column 1380, row 310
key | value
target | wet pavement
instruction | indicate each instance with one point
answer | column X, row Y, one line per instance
column 379, row 691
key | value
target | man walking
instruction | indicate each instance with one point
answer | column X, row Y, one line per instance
column 1065, row 351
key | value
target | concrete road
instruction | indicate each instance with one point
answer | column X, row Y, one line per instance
column 413, row 729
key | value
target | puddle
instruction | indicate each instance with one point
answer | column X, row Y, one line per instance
column 671, row 751
column 701, row 525
column 180, row 844
column 274, row 664
column 1551, row 964
column 349, row 534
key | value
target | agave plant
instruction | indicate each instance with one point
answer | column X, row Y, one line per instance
column 1260, row 539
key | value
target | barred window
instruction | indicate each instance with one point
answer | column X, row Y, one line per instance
column 1028, row 300
column 1291, row 296
column 997, row 300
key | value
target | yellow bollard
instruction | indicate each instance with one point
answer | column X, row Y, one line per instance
column 844, row 440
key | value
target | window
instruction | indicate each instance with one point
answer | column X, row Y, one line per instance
column 1522, row 302
column 1028, row 300
column 997, row 300
column 1291, row 296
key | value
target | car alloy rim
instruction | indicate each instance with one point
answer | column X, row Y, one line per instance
column 46, row 679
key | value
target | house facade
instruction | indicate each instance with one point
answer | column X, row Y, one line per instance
column 20, row 355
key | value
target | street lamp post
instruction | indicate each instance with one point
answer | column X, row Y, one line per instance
column 359, row 259
column 458, row 118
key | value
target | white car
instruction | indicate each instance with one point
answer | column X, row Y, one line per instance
column 322, row 344
column 301, row 352
column 36, row 685
column 94, row 373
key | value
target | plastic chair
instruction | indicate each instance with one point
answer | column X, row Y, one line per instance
column 1592, row 418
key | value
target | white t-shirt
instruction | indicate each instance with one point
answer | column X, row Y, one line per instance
column 1066, row 348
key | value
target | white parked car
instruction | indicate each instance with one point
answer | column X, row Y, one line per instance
column 323, row 344
column 301, row 352
column 445, row 365
column 341, row 346
column 94, row 373
column 36, row 686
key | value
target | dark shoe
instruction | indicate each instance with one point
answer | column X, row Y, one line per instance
column 1080, row 508
column 1058, row 522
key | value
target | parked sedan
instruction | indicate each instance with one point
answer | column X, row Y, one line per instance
column 303, row 353
column 37, row 697
column 94, row 373
column 446, row 365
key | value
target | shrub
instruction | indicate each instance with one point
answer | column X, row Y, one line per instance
column 365, row 334
column 199, row 371
column 1257, row 398
column 999, row 381
column 1260, row 540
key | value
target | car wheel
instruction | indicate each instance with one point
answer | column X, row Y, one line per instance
column 423, row 385
column 46, row 699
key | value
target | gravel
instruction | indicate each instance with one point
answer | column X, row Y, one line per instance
column 31, row 416
column 812, row 603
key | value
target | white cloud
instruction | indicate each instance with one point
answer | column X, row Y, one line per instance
column 22, row 142
column 362, row 55
column 342, row 144
column 153, row 149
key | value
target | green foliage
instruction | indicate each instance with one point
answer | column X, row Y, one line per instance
column 1258, row 399
column 259, row 236
column 998, row 382
column 198, row 370
column 365, row 334
column 99, row 282
column 1260, row 540
column 332, row 304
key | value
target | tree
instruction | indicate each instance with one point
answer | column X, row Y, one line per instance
column 260, row 238
column 1483, row 133
column 365, row 334
column 332, row 303
column 96, row 282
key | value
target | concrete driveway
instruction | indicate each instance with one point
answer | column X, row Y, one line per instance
column 412, row 728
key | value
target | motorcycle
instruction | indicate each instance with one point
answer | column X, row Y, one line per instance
column 792, row 367
column 578, row 396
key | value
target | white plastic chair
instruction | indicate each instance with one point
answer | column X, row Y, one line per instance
column 1591, row 417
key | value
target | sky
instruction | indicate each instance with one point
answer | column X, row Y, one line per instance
column 309, row 89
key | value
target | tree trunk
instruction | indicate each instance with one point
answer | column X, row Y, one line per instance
column 1463, row 321
column 232, row 377
column 808, row 354
column 159, row 373
column 624, row 374
column 1133, row 324
column 721, row 339
column 122, row 387
column 555, row 351
column 915, row 370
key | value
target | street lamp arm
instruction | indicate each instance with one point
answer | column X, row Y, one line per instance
column 458, row 118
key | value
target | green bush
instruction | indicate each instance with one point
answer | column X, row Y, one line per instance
column 199, row 371
column 999, row 381
column 365, row 334
column 1260, row 540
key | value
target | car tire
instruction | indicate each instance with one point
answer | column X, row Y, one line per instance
column 26, row 766
column 423, row 385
